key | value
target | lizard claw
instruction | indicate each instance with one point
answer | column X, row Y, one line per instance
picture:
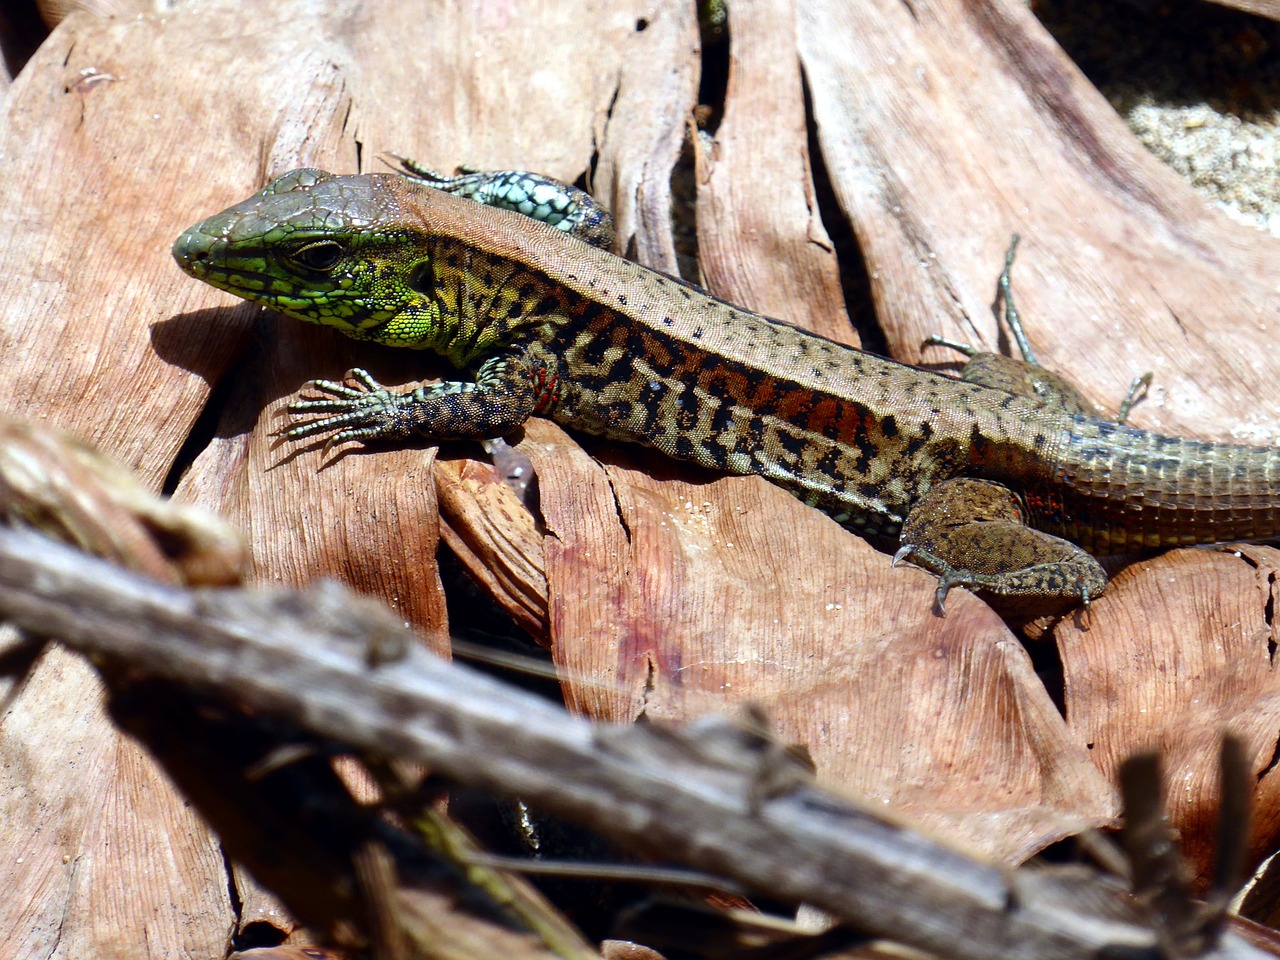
column 945, row 584
column 336, row 388
column 946, row 580
column 345, row 410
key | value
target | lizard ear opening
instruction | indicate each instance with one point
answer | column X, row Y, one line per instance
column 422, row 277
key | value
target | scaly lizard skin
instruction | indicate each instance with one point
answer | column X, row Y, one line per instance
column 980, row 483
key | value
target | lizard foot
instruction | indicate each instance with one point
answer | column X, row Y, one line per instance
column 970, row 533
column 366, row 411
column 948, row 576
column 358, row 407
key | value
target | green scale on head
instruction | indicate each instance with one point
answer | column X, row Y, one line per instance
column 318, row 247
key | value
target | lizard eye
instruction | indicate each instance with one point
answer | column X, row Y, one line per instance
column 318, row 257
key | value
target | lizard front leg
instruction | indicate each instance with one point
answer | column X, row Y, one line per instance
column 971, row 533
column 505, row 393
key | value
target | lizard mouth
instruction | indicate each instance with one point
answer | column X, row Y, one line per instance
column 205, row 257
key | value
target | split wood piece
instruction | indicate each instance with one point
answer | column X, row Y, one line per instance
column 761, row 241
column 1130, row 685
column 496, row 539
column 654, row 89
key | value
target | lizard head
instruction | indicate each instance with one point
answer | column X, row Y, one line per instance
column 325, row 249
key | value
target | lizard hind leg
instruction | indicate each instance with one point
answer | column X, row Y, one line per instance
column 971, row 533
column 1025, row 376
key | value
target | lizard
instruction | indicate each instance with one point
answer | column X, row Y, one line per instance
column 1004, row 487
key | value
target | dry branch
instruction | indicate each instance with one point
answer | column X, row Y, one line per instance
column 683, row 792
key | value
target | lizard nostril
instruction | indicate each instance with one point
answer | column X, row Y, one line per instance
column 189, row 249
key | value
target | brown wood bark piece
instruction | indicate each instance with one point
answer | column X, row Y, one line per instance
column 61, row 330
column 487, row 526
column 100, row 856
column 761, row 241
column 640, row 136
column 1132, row 684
